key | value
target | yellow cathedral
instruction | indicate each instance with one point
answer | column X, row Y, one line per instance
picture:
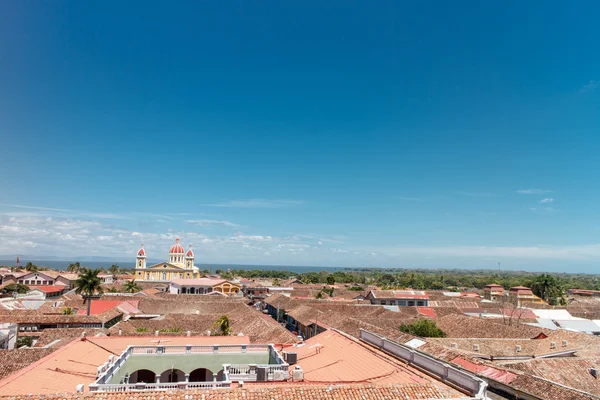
column 180, row 266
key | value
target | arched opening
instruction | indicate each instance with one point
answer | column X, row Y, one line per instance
column 172, row 375
column 192, row 291
column 201, row 375
column 142, row 375
column 183, row 290
column 220, row 375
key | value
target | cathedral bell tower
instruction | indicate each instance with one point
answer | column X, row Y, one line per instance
column 189, row 258
column 140, row 262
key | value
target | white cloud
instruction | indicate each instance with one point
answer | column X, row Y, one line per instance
column 533, row 191
column 253, row 238
column 590, row 87
column 67, row 213
column 547, row 200
column 211, row 222
column 543, row 210
column 69, row 237
column 257, row 203
column 575, row 252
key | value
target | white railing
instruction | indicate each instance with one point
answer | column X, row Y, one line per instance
column 249, row 372
column 126, row 387
column 468, row 382
column 108, row 370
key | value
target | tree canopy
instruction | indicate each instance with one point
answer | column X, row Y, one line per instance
column 423, row 328
column 88, row 284
column 131, row 287
column 74, row 268
column 223, row 325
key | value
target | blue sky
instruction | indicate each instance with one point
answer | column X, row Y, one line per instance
column 411, row 134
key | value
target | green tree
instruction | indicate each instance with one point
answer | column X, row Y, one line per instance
column 87, row 285
column 68, row 311
column 16, row 287
column 31, row 267
column 223, row 325
column 114, row 269
column 548, row 288
column 24, row 341
column 330, row 280
column 74, row 268
column 131, row 287
column 319, row 295
column 276, row 282
column 423, row 328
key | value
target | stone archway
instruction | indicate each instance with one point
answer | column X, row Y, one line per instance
column 220, row 375
column 201, row 375
column 142, row 375
column 172, row 375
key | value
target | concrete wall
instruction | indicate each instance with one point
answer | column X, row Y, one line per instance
column 186, row 362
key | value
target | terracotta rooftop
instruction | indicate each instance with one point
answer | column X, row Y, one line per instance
column 48, row 288
column 333, row 357
column 462, row 326
column 101, row 306
column 569, row 371
column 399, row 294
column 284, row 391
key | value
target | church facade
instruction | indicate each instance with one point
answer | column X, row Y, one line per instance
column 180, row 266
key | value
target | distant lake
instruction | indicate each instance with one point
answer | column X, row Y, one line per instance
column 61, row 265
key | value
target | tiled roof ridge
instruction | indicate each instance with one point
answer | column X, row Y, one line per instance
column 252, row 391
column 89, row 339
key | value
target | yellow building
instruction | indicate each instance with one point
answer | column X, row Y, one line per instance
column 204, row 286
column 180, row 266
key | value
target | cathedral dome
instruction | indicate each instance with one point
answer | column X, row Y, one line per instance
column 190, row 253
column 141, row 252
column 176, row 248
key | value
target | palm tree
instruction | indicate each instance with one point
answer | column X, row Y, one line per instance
column 87, row 285
column 223, row 325
column 114, row 269
column 31, row 267
column 544, row 286
column 131, row 287
column 74, row 268
column 68, row 311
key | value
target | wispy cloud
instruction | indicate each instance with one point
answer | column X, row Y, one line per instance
column 543, row 210
column 476, row 194
column 34, row 207
column 547, row 200
column 533, row 191
column 211, row 222
column 64, row 211
column 257, row 203
column 590, row 86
